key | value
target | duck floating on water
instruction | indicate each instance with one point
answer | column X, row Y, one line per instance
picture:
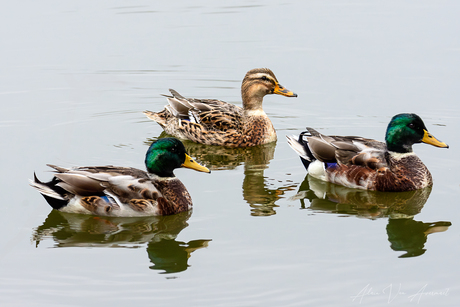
column 124, row 191
column 357, row 162
column 215, row 122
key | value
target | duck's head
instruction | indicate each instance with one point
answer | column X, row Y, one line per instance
column 167, row 154
column 406, row 129
column 256, row 84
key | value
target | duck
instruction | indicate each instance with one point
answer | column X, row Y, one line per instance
column 123, row 191
column 362, row 163
column 215, row 122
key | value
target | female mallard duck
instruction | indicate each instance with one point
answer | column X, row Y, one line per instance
column 362, row 163
column 215, row 122
column 124, row 191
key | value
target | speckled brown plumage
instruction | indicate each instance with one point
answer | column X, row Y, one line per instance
column 366, row 163
column 396, row 177
column 405, row 174
column 175, row 198
column 215, row 122
column 376, row 168
column 140, row 205
column 369, row 164
column 97, row 205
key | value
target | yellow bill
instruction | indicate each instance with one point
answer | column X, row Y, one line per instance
column 429, row 139
column 190, row 163
column 280, row 90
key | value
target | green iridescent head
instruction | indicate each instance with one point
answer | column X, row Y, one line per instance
column 167, row 154
column 406, row 129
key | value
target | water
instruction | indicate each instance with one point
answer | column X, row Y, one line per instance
column 76, row 77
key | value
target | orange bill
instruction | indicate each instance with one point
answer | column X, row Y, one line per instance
column 280, row 90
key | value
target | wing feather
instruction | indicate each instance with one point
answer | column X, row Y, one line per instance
column 346, row 150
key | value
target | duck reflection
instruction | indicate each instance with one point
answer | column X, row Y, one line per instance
column 160, row 232
column 404, row 233
column 259, row 191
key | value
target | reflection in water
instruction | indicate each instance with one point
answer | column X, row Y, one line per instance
column 404, row 233
column 410, row 236
column 259, row 193
column 160, row 232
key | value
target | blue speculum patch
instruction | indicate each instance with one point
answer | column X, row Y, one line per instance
column 106, row 199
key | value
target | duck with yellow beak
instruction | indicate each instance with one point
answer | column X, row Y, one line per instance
column 124, row 191
column 362, row 163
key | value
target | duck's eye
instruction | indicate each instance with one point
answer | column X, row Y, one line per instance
column 264, row 78
column 411, row 125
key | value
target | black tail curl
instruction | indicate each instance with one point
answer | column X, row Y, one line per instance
column 304, row 143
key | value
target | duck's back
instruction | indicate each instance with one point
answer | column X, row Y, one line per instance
column 113, row 191
column 358, row 162
column 213, row 122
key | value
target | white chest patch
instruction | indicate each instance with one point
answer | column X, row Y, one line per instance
column 398, row 156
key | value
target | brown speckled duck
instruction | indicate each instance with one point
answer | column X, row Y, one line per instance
column 124, row 191
column 358, row 162
column 215, row 122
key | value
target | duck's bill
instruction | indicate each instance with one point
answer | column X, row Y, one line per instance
column 429, row 139
column 280, row 90
column 190, row 163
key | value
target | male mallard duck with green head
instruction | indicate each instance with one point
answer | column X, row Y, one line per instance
column 215, row 122
column 358, row 162
column 124, row 191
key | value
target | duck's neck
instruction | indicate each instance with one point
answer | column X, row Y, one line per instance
column 402, row 148
column 251, row 103
column 397, row 142
column 252, row 99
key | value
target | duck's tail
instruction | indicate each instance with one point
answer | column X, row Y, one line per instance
column 53, row 194
column 300, row 146
column 159, row 117
column 177, row 107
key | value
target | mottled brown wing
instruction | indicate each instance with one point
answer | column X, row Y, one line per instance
column 211, row 113
column 221, row 119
